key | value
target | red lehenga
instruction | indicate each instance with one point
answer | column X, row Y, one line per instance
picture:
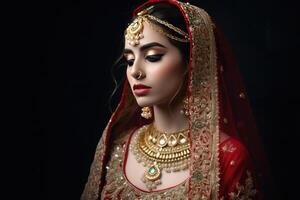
column 231, row 169
column 236, row 173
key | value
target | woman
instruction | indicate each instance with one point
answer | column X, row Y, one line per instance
column 183, row 126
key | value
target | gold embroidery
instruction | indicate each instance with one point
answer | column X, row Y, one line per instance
column 117, row 187
column 242, row 95
column 229, row 148
column 244, row 192
column 203, row 105
column 204, row 120
column 91, row 189
column 232, row 163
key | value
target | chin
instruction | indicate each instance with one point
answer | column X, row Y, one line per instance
column 143, row 102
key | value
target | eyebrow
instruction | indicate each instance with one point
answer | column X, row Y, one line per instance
column 145, row 47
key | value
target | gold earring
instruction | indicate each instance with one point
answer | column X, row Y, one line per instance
column 146, row 112
column 185, row 109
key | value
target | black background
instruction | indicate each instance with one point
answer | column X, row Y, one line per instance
column 71, row 46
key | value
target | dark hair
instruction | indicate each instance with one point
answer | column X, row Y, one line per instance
column 171, row 14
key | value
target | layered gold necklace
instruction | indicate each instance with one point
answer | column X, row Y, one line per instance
column 159, row 150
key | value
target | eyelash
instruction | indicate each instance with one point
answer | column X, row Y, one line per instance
column 152, row 58
column 130, row 62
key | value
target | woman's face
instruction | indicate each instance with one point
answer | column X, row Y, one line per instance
column 155, row 69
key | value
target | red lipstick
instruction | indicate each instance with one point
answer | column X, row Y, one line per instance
column 141, row 89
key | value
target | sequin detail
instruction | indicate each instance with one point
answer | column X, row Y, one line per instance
column 117, row 186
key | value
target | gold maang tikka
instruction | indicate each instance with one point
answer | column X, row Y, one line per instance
column 134, row 32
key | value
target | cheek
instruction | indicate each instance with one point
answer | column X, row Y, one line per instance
column 169, row 71
column 168, row 76
column 166, row 72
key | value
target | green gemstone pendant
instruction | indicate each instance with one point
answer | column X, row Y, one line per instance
column 153, row 172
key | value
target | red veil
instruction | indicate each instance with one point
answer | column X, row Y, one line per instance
column 217, row 103
column 235, row 110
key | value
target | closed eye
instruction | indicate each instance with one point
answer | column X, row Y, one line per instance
column 154, row 58
column 130, row 62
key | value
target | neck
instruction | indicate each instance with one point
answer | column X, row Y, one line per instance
column 169, row 119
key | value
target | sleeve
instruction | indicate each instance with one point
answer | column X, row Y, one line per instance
column 237, row 174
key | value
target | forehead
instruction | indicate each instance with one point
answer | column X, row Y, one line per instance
column 150, row 35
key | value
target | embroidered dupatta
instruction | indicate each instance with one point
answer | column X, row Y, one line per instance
column 217, row 102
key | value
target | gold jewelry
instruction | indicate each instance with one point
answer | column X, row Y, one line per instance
column 185, row 109
column 134, row 32
column 140, row 75
column 170, row 26
column 146, row 112
column 159, row 150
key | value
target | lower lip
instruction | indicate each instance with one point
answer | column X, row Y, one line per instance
column 141, row 91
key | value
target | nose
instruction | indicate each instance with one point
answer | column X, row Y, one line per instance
column 137, row 71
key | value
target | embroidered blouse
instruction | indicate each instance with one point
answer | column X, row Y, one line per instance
column 236, row 176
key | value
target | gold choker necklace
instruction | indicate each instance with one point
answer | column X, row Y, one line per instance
column 159, row 150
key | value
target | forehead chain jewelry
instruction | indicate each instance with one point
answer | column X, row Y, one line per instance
column 134, row 31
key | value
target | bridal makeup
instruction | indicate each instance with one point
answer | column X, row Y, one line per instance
column 154, row 68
